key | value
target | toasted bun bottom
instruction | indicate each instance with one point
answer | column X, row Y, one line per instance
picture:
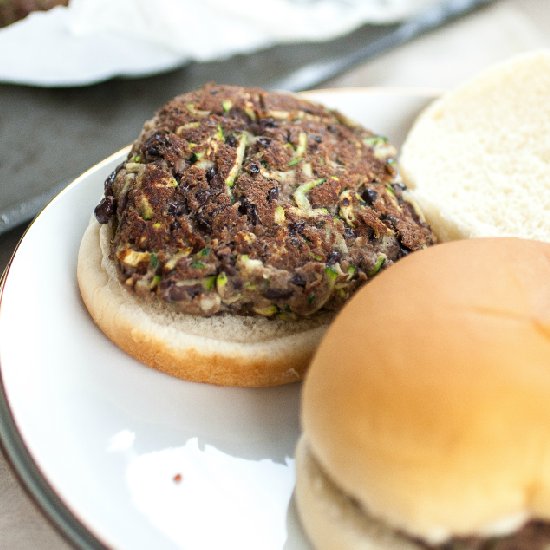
column 331, row 519
column 428, row 400
column 227, row 350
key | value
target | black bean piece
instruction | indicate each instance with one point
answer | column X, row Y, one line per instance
column 332, row 129
column 210, row 173
column 298, row 280
column 105, row 209
column 333, row 257
column 369, row 196
column 268, row 123
column 155, row 145
column 202, row 196
column 392, row 220
column 249, row 209
column 264, row 142
column 237, row 283
column 194, row 158
column 193, row 291
column 152, row 151
column 370, row 233
column 294, row 241
column 231, row 140
column 176, row 294
column 277, row 293
column 318, row 138
column 242, row 207
column 176, row 209
column 253, row 168
column 108, row 185
column 253, row 214
column 227, row 263
column 273, row 194
column 296, row 227
column 349, row 233
column 202, row 223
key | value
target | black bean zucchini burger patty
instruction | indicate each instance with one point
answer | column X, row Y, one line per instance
column 245, row 203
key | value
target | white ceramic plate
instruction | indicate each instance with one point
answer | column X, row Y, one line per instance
column 121, row 455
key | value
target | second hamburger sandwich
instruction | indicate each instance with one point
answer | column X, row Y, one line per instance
column 433, row 432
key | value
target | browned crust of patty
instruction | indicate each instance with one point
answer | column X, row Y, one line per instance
column 224, row 175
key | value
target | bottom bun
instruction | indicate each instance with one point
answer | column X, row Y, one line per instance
column 334, row 521
column 228, row 350
column 331, row 519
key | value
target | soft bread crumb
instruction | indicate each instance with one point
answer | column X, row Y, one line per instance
column 478, row 159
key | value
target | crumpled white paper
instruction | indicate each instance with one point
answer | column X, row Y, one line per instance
column 92, row 40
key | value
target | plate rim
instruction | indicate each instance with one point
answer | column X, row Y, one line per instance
column 35, row 484
column 30, row 477
column 43, row 495
column 19, row 458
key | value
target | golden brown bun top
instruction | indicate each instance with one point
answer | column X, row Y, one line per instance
column 429, row 397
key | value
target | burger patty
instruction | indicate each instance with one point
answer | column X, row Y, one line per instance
column 14, row 10
column 244, row 201
column 534, row 535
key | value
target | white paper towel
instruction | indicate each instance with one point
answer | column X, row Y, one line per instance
column 91, row 40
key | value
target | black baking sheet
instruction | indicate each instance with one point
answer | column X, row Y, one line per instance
column 48, row 136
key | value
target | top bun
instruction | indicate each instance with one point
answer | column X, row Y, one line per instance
column 428, row 400
column 478, row 159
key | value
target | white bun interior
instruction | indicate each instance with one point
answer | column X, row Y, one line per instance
column 478, row 159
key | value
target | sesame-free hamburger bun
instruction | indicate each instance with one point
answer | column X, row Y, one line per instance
column 478, row 158
column 426, row 409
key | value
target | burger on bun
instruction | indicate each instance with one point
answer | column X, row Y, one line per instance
column 426, row 409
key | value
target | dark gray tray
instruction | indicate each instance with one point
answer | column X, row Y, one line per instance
column 48, row 136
